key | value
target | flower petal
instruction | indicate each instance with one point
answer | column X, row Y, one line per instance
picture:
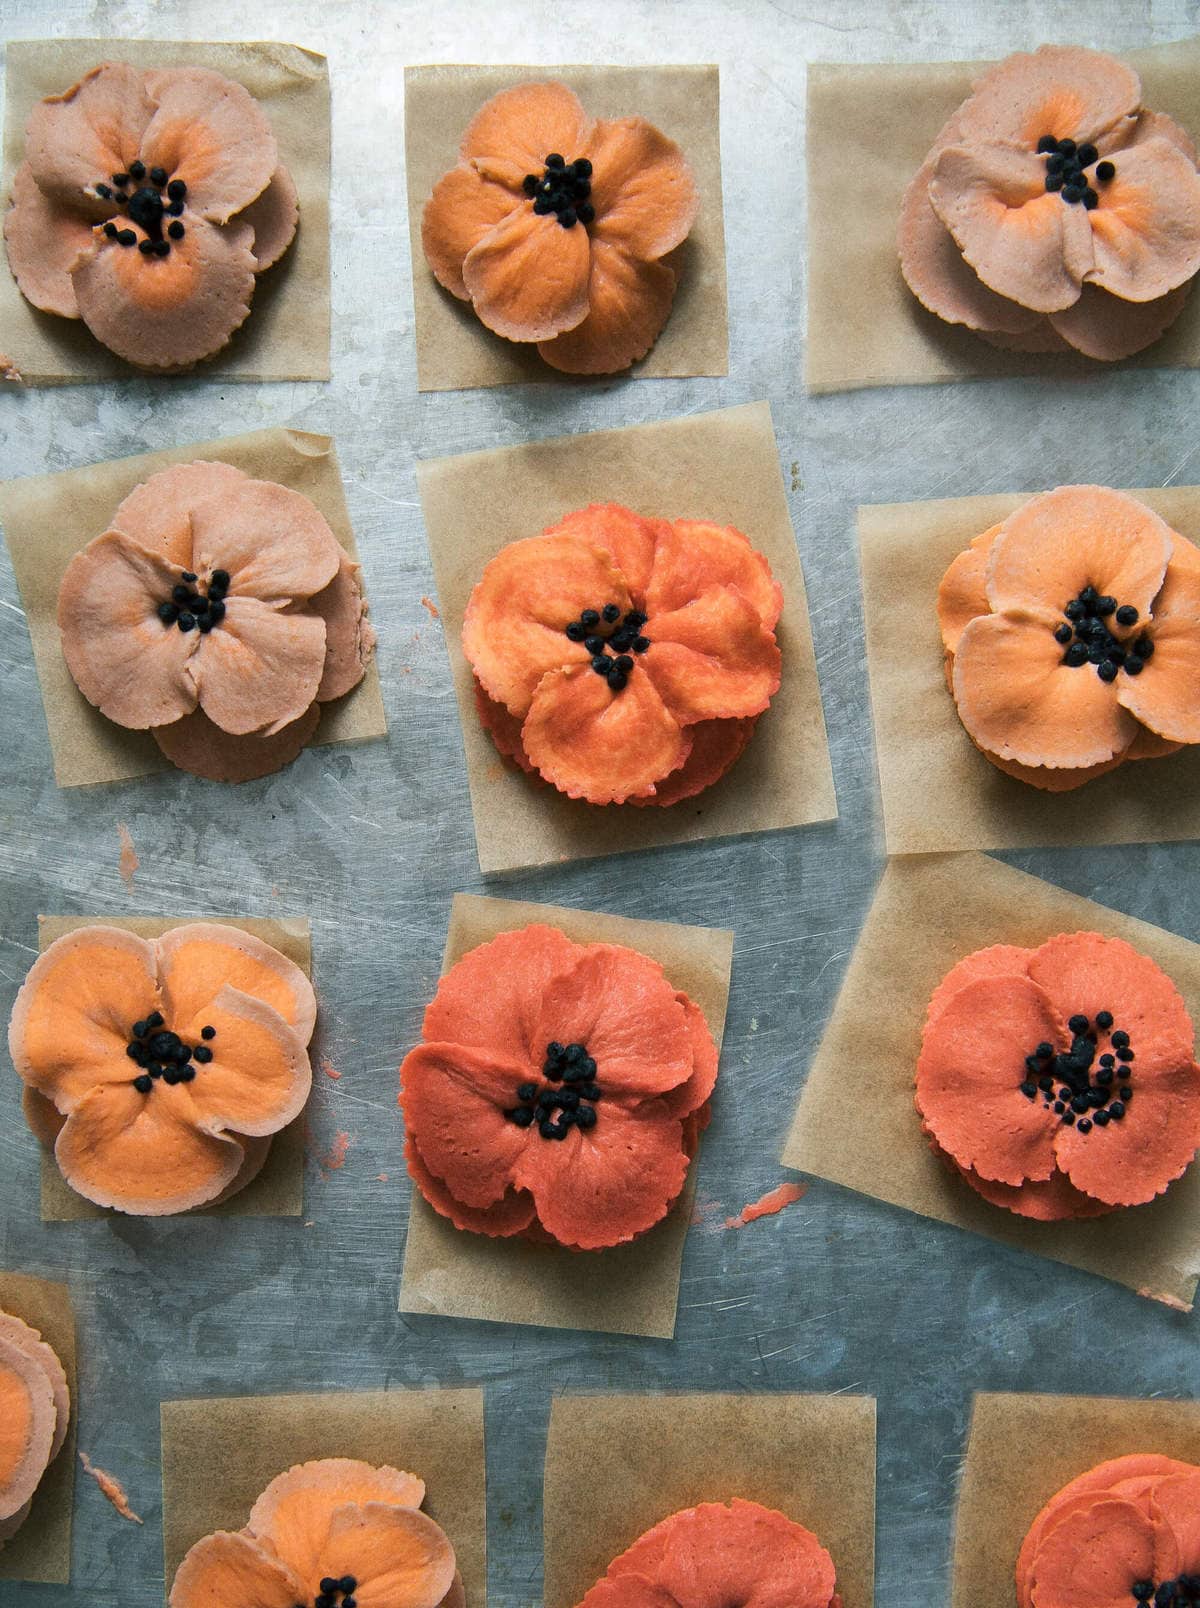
column 294, row 1513
column 591, row 742
column 1019, row 701
column 1146, row 126
column 1023, row 241
column 464, row 206
column 1062, row 90
column 1109, row 328
column 717, row 745
column 528, row 276
column 628, row 303
column 962, row 594
column 136, row 670
column 1050, row 1200
column 274, row 542
column 1093, row 1556
column 169, row 312
column 157, row 513
column 1175, row 1506
column 512, row 1214
column 201, row 748
column 273, row 216
column 689, row 1096
column 692, row 555
column 999, row 960
column 43, row 241
column 198, row 960
column 1169, row 702
column 626, row 539
column 454, row 1099
column 28, row 1418
column 398, row 1555
column 643, row 188
column 1148, row 745
column 259, row 1078
column 504, row 729
column 744, row 1553
column 526, row 124
column 259, row 670
column 1051, row 780
column 234, row 1568
column 1130, row 1162
column 210, row 132
column 349, row 636
column 1146, row 228
column 468, row 1008
column 83, row 136
column 628, row 1591
column 971, row 1065
column 712, row 659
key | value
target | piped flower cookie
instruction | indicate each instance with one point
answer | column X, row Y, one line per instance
column 557, row 228
column 35, row 1410
column 558, row 1093
column 1072, row 637
column 335, row 1533
column 159, row 1070
column 1125, row 1534
column 218, row 613
column 1056, row 212
column 147, row 205
column 1061, row 1082
column 717, row 1555
column 625, row 659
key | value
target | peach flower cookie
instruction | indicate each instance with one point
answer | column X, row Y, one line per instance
column 1126, row 1535
column 625, row 659
column 146, row 205
column 556, row 227
column 1072, row 637
column 158, row 1070
column 328, row 1534
column 35, row 1410
column 718, row 1555
column 1055, row 212
column 218, row 613
column 1060, row 1081
column 559, row 1092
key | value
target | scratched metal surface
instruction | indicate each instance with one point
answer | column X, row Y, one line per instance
column 838, row 1293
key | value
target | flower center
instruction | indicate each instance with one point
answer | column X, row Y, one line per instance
column 193, row 610
column 1088, row 639
column 163, row 1054
column 604, row 629
column 563, row 188
column 565, row 1100
column 1066, row 170
column 1083, row 1091
column 334, row 1592
column 1182, row 1592
column 145, row 205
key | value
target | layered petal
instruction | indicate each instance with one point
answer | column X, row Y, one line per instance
column 717, row 745
column 962, row 594
column 399, row 1556
column 274, row 216
column 43, row 241
column 688, row 1097
column 1146, row 228
column 1063, row 90
column 463, row 208
column 201, row 958
column 998, row 960
column 692, row 555
column 158, row 513
column 210, row 132
column 1054, row 781
column 528, row 277
column 526, row 124
column 1165, row 697
column 712, row 659
column 454, row 1098
column 628, row 1591
column 1092, row 1558
column 349, row 636
column 743, row 1553
column 27, row 1420
column 1130, row 1162
column 643, row 188
column 1175, row 1506
column 629, row 541
column 29, row 1341
column 259, row 1077
column 234, row 1568
column 504, row 729
column 86, row 135
column 628, row 303
column 293, row 1515
column 260, row 669
column 469, row 1009
column 196, row 745
column 511, row 1215
column 1108, row 328
column 274, row 542
column 1050, row 1200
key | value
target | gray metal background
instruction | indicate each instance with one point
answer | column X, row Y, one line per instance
column 838, row 1293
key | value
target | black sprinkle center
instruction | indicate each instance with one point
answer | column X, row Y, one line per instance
column 611, row 639
column 336, row 1593
column 563, row 188
column 157, row 1052
column 1067, row 167
column 566, row 1098
column 1084, row 1087
column 146, row 197
column 1182, row 1592
column 193, row 609
column 1087, row 635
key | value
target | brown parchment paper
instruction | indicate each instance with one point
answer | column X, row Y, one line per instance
column 869, row 130
column 630, row 1289
column 616, row 1465
column 722, row 466
column 1022, row 1450
column 928, row 914
column 47, row 519
column 219, row 1454
column 278, row 1190
column 41, row 1548
column 286, row 336
column 456, row 351
column 939, row 792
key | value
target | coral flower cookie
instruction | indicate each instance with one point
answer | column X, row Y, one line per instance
column 1055, row 212
column 159, row 1069
column 331, row 1534
column 739, row 1555
column 1125, row 1535
column 218, row 612
column 147, row 204
column 1061, row 1081
column 1072, row 637
column 35, row 1409
column 558, row 1093
column 624, row 658
column 555, row 227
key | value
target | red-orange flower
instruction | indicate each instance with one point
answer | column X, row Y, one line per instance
column 558, row 1091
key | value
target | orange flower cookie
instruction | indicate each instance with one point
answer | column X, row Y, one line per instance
column 218, row 613
column 555, row 227
column 1072, row 637
column 158, row 1069
column 717, row 1555
column 1055, row 212
column 35, row 1409
column 625, row 659
column 1060, row 1081
column 1124, row 1535
column 332, row 1534
column 147, row 204
column 559, row 1092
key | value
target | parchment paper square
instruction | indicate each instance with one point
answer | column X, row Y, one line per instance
column 1022, row 1450
column 869, row 130
column 454, row 350
column 221, row 1453
column 278, row 1190
column 939, row 792
column 49, row 518
column 721, row 466
column 286, row 336
column 616, row 1465
column 41, row 1548
column 630, row 1289
column 928, row 914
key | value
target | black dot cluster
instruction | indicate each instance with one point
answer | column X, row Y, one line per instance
column 1083, row 1092
column 160, row 1053
column 563, row 188
column 147, row 196
column 611, row 655
column 1066, row 170
column 191, row 609
column 1087, row 636
column 567, row 1099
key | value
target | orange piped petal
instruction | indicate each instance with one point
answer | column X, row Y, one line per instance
column 196, row 745
column 1062, row 90
column 628, row 303
column 962, row 595
column 454, row 1099
column 274, row 216
column 712, row 659
column 1051, row 780
column 1165, row 697
column 274, row 542
column 1092, row 1557
column 467, row 1009
column 717, row 745
column 690, row 1096
column 86, row 134
column 259, row 1077
column 464, row 206
column 526, row 124
column 234, row 1568
column 399, row 1556
column 293, row 1515
column 28, row 1416
column 1175, row 1506
column 1150, row 1148
column 43, row 241
column 198, row 960
column 629, row 540
column 158, row 512
column 210, row 132
column 504, row 729
column 349, row 636
column 528, row 276
column 512, row 1214
column 643, row 188
column 1146, row 228
column 1000, row 960
column 692, row 554
column 260, row 670
column 1109, row 328
column 1049, row 1200
column 1148, row 745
